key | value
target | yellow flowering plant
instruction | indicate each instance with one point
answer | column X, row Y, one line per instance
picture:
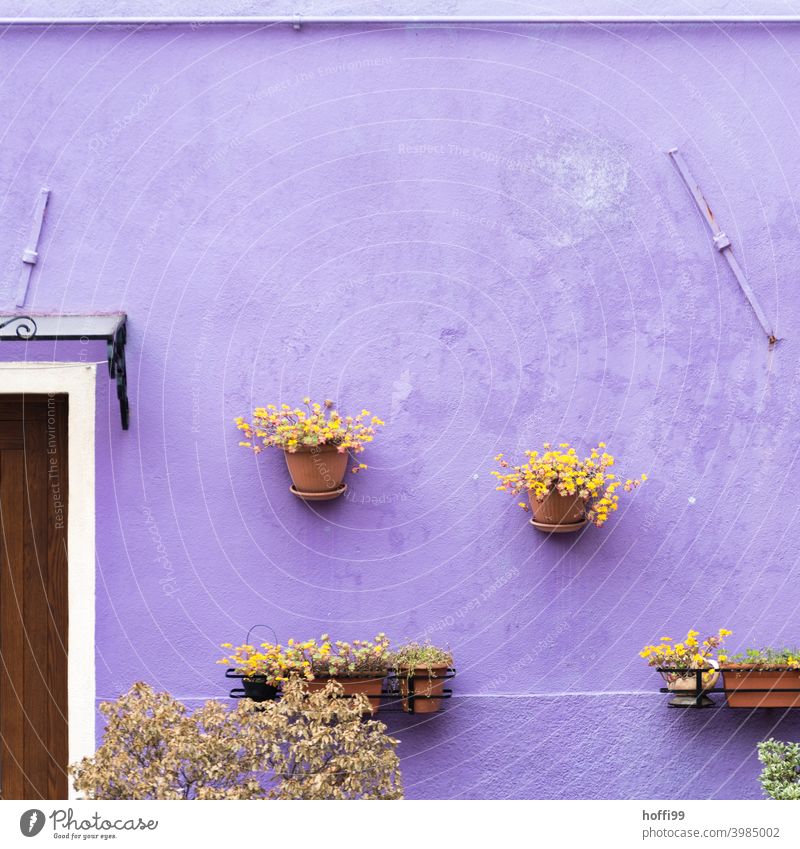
column 788, row 658
column 338, row 658
column 271, row 661
column 311, row 425
column 563, row 470
column 687, row 655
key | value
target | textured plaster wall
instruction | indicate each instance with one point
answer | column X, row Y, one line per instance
column 475, row 233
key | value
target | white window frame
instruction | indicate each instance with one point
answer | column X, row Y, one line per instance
column 77, row 380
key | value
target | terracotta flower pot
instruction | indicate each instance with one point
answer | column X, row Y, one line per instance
column 317, row 471
column 742, row 681
column 428, row 681
column 558, row 513
column 368, row 686
column 257, row 689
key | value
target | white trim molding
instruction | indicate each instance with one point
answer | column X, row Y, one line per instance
column 299, row 20
column 77, row 380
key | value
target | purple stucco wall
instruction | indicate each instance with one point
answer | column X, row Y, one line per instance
column 475, row 233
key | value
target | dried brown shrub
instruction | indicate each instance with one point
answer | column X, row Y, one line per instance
column 304, row 746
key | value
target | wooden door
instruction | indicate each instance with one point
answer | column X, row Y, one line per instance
column 33, row 597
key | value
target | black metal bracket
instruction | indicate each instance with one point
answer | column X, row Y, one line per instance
column 117, row 370
column 109, row 327
column 26, row 326
column 391, row 693
column 699, row 693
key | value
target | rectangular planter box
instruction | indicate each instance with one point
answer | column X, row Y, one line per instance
column 741, row 682
column 370, row 687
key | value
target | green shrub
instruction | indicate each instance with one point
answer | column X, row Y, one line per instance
column 780, row 777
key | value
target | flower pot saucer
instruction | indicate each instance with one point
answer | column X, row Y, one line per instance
column 319, row 496
column 559, row 529
column 681, row 701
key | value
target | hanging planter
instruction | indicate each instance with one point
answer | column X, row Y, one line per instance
column 565, row 492
column 690, row 668
column 369, row 686
column 763, row 678
column 317, row 472
column 422, row 670
column 557, row 513
column 317, row 443
column 257, row 689
column 359, row 666
column 688, row 688
column 262, row 669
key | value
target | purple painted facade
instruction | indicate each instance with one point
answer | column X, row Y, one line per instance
column 475, row 233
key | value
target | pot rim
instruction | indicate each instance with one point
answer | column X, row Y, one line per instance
column 423, row 669
column 325, row 447
column 374, row 676
column 262, row 683
column 554, row 490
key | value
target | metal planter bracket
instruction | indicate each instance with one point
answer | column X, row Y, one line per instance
column 108, row 327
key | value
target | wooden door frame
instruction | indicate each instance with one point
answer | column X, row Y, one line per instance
column 77, row 380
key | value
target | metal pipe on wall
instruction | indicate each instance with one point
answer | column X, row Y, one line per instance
column 299, row 20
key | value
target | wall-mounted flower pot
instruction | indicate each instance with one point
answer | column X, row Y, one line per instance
column 317, row 472
column 257, row 689
column 685, row 688
column 743, row 683
column 367, row 686
column 558, row 513
column 427, row 682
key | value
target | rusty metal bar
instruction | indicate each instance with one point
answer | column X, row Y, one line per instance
column 722, row 243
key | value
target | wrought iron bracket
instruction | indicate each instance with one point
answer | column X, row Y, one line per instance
column 112, row 328
column 391, row 694
column 25, row 325
column 118, row 371
column 697, row 696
